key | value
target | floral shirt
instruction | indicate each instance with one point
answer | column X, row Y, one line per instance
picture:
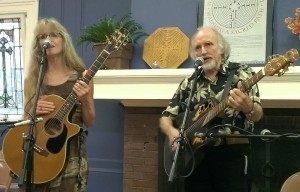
column 205, row 89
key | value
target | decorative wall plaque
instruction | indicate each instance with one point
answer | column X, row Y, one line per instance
column 167, row 46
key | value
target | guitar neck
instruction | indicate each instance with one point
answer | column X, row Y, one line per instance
column 116, row 40
column 98, row 63
column 246, row 85
column 113, row 44
column 73, row 98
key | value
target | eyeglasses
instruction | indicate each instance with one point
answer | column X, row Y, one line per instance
column 51, row 35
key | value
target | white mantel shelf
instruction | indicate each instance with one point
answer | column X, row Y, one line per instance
column 155, row 87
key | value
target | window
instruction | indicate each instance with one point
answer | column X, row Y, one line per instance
column 17, row 20
column 11, row 68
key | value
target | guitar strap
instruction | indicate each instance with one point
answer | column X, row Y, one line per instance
column 232, row 69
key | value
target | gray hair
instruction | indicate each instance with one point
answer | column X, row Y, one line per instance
column 223, row 43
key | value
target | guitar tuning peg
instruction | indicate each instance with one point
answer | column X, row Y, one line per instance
column 269, row 58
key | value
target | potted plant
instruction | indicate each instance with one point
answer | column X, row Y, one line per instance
column 99, row 32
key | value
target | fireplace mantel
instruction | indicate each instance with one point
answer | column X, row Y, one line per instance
column 155, row 87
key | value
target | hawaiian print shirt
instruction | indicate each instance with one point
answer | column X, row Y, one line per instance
column 206, row 88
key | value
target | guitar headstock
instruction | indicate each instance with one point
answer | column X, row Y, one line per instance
column 116, row 40
column 279, row 63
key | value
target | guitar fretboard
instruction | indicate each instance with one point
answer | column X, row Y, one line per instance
column 72, row 99
column 113, row 44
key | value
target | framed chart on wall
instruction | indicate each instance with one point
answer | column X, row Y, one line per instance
column 246, row 24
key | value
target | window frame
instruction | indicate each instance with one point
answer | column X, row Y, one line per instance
column 27, row 11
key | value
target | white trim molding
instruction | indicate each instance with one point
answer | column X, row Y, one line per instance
column 27, row 10
column 155, row 87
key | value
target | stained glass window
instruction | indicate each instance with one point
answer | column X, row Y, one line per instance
column 11, row 69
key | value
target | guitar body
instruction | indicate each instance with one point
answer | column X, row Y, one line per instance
column 50, row 150
column 196, row 125
column 292, row 184
column 192, row 148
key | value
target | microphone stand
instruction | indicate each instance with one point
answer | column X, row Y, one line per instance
column 268, row 170
column 5, row 124
column 181, row 138
column 273, row 136
column 26, row 172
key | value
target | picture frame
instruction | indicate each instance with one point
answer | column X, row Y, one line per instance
column 246, row 25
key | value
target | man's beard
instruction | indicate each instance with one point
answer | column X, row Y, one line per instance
column 211, row 65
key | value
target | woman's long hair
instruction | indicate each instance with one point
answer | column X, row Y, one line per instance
column 69, row 56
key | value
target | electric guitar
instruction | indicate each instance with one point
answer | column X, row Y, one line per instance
column 54, row 131
column 194, row 134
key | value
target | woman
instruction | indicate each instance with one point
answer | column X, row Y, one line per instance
column 62, row 77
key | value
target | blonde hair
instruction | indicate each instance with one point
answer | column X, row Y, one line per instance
column 69, row 55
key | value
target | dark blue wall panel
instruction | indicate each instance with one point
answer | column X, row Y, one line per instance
column 163, row 13
column 105, row 147
column 75, row 15
column 153, row 14
column 183, row 14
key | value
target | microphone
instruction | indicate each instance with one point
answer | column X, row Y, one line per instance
column 266, row 132
column 199, row 62
column 26, row 122
column 47, row 44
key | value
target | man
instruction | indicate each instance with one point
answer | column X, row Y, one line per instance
column 224, row 167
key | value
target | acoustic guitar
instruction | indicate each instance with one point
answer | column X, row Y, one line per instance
column 195, row 132
column 292, row 184
column 52, row 134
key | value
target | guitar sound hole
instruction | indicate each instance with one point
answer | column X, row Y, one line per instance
column 53, row 127
column 54, row 145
